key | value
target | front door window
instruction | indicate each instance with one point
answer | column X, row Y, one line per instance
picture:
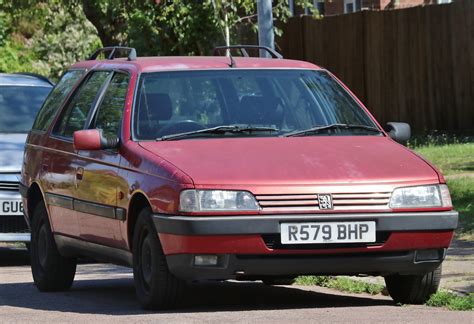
column 75, row 115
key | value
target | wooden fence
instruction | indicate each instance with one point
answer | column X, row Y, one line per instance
column 414, row 65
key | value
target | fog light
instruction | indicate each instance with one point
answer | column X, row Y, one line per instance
column 429, row 255
column 205, row 260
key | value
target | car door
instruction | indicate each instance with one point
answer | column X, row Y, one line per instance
column 100, row 185
column 60, row 160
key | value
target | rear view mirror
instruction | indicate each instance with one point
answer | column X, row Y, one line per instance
column 93, row 140
column 400, row 132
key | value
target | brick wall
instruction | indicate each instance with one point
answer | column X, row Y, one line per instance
column 336, row 7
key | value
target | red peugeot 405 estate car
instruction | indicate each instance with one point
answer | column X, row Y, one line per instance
column 193, row 168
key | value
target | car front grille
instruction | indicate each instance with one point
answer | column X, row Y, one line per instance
column 273, row 241
column 9, row 186
column 309, row 202
column 13, row 224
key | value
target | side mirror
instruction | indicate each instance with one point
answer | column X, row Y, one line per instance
column 93, row 140
column 400, row 132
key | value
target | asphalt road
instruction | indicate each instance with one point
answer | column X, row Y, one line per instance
column 105, row 293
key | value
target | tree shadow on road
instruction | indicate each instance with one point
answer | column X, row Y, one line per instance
column 461, row 248
column 117, row 297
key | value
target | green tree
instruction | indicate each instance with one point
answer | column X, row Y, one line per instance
column 183, row 27
column 167, row 28
column 43, row 37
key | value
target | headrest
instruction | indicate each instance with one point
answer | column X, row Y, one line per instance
column 159, row 106
column 260, row 110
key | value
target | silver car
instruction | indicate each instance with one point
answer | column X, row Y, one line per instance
column 21, row 96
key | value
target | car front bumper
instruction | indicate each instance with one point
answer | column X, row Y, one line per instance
column 244, row 250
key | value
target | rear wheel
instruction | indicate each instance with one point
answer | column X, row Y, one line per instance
column 413, row 289
column 51, row 271
column 155, row 286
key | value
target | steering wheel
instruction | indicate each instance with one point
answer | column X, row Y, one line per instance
column 179, row 127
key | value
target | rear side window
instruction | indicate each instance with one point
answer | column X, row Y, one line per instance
column 110, row 112
column 55, row 99
column 75, row 115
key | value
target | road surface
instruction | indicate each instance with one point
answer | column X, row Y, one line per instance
column 104, row 293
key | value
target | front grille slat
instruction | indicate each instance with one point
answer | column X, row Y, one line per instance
column 309, row 202
column 13, row 224
column 9, row 186
column 264, row 203
column 287, row 197
column 361, row 202
column 361, row 195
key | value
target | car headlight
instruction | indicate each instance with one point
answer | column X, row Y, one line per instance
column 421, row 196
column 217, row 200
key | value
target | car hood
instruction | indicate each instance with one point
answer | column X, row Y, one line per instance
column 11, row 152
column 307, row 160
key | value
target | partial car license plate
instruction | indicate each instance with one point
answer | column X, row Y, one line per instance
column 11, row 207
column 333, row 232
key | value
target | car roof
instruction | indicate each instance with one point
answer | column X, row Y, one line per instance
column 27, row 80
column 173, row 63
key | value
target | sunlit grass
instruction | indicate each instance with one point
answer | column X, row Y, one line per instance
column 340, row 283
column 450, row 159
column 451, row 301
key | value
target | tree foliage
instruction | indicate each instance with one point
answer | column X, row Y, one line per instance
column 46, row 36
column 43, row 37
column 183, row 27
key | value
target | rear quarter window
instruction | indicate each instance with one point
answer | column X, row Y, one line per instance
column 55, row 99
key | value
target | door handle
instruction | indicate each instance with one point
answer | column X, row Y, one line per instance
column 79, row 177
column 79, row 174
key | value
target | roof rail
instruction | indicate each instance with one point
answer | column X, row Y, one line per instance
column 36, row 75
column 243, row 50
column 112, row 51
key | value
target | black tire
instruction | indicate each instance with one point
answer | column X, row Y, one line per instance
column 51, row 271
column 155, row 286
column 279, row 281
column 413, row 289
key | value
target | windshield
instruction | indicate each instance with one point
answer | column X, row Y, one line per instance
column 288, row 100
column 18, row 107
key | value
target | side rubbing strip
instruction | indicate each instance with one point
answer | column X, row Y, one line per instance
column 60, row 201
column 96, row 209
column 120, row 214
column 86, row 207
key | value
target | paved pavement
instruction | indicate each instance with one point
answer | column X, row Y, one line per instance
column 105, row 293
column 458, row 269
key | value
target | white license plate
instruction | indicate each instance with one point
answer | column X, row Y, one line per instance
column 11, row 207
column 333, row 232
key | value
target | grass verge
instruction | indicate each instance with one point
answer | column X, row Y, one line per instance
column 450, row 159
column 451, row 301
column 442, row 298
column 456, row 162
column 462, row 194
column 340, row 283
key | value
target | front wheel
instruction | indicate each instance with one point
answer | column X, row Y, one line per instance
column 51, row 271
column 155, row 286
column 413, row 289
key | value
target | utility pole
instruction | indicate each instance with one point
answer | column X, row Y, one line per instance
column 265, row 25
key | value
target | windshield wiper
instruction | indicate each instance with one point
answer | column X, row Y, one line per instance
column 318, row 129
column 219, row 130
